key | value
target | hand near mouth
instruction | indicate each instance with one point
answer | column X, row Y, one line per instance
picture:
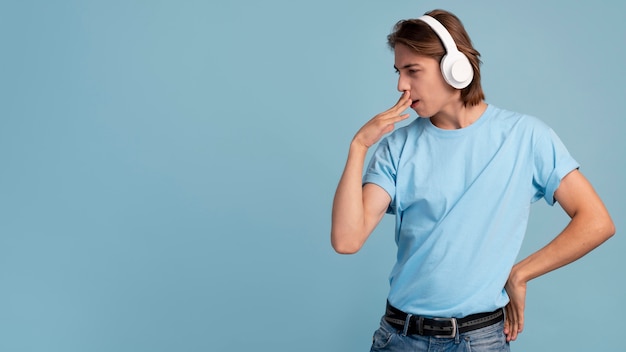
column 384, row 122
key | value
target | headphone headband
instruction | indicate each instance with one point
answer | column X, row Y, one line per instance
column 441, row 32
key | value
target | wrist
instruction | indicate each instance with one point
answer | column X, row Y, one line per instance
column 517, row 276
column 357, row 146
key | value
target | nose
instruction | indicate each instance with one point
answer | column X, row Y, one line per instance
column 403, row 84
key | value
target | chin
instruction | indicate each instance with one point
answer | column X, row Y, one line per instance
column 421, row 113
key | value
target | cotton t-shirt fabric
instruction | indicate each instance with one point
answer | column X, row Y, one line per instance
column 461, row 199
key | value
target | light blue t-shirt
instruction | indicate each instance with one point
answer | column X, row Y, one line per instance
column 461, row 199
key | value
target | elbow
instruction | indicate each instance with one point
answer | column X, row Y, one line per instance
column 342, row 249
column 605, row 229
column 609, row 229
column 344, row 246
column 608, row 226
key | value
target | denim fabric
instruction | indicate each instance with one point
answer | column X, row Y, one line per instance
column 488, row 339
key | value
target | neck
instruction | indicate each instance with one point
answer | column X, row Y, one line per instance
column 458, row 116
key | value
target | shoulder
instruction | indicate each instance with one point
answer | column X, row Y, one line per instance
column 520, row 124
column 512, row 118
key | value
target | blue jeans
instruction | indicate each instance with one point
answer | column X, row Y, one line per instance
column 487, row 339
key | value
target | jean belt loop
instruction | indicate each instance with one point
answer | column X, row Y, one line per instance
column 420, row 326
column 407, row 321
column 455, row 326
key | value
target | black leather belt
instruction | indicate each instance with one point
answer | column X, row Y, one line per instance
column 440, row 327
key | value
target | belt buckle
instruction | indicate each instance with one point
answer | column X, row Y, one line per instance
column 454, row 327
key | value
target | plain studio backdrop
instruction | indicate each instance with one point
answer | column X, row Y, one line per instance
column 167, row 168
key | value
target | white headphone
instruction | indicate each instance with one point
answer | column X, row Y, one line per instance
column 455, row 66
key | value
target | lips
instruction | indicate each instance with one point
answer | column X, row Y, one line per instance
column 414, row 103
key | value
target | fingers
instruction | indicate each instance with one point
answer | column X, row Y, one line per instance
column 514, row 322
column 394, row 114
column 384, row 122
column 402, row 104
column 404, row 97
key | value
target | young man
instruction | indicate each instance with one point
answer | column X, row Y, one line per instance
column 460, row 181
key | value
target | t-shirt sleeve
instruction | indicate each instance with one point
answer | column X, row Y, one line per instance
column 552, row 162
column 382, row 171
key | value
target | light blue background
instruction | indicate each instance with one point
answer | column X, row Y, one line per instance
column 167, row 168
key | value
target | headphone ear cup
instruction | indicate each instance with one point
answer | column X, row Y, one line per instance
column 457, row 70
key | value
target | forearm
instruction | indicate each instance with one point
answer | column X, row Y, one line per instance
column 348, row 219
column 585, row 232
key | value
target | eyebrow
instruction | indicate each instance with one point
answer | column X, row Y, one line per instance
column 406, row 66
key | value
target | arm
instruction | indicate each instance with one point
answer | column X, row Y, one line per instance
column 590, row 226
column 358, row 209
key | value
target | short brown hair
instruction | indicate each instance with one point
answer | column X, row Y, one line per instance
column 418, row 36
